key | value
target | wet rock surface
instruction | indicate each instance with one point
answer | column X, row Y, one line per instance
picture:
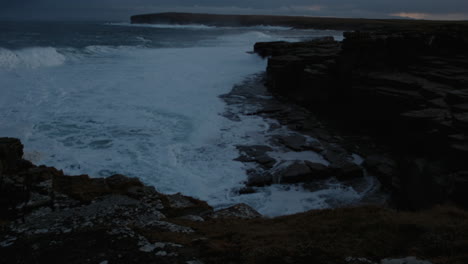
column 407, row 108
column 296, row 148
column 48, row 217
column 400, row 95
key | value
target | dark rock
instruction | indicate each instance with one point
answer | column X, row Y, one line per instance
column 433, row 115
column 256, row 153
column 458, row 192
column 11, row 154
column 461, row 120
column 247, row 190
column 254, row 150
column 295, row 172
column 335, row 154
column 300, row 171
column 298, row 142
column 423, row 184
column 86, row 189
column 237, row 211
column 384, row 168
column 403, row 90
column 318, row 170
column 259, row 179
column 347, row 170
column 121, row 184
column 11, row 149
column 266, row 161
column 251, row 153
column 458, row 96
column 460, row 108
column 82, row 187
column 178, row 205
column 438, row 103
column 294, row 142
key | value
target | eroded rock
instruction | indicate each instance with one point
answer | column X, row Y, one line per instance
column 237, row 211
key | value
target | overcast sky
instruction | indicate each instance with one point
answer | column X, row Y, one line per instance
column 121, row 9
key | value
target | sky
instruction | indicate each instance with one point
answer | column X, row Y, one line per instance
column 121, row 10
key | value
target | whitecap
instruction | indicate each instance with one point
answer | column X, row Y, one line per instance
column 33, row 57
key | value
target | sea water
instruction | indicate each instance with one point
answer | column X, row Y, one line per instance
column 143, row 100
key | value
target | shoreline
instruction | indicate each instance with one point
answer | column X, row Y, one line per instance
column 47, row 216
column 52, row 217
column 398, row 104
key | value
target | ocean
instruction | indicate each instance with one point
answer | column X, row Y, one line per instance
column 143, row 100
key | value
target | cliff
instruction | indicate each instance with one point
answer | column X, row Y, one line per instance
column 287, row 21
column 404, row 93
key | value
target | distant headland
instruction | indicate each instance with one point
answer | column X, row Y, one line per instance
column 289, row 21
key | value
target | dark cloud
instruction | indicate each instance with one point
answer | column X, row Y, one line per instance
column 121, row 9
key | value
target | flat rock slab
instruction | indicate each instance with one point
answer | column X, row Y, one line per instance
column 237, row 211
column 407, row 260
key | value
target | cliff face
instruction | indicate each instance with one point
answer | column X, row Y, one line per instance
column 288, row 21
column 405, row 90
column 48, row 217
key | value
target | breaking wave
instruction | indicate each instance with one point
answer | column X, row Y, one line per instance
column 198, row 26
column 33, row 57
column 163, row 26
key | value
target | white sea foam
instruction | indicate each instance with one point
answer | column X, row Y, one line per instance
column 30, row 58
column 164, row 26
column 150, row 113
column 198, row 26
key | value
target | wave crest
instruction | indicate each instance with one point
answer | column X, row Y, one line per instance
column 164, row 26
column 200, row 26
column 34, row 57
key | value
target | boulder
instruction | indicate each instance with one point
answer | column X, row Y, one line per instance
column 299, row 142
column 256, row 153
column 300, row 171
column 177, row 205
column 459, row 186
column 11, row 154
column 461, row 120
column 10, row 149
column 237, row 211
column 259, row 179
column 407, row 260
column 318, row 170
column 428, row 114
column 295, row 142
column 346, row 170
column 295, row 172
column 384, row 168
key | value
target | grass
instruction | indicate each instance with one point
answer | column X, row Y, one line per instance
column 329, row 236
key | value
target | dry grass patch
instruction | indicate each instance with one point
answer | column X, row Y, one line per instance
column 329, row 236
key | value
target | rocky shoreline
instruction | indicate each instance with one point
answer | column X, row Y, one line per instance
column 388, row 105
column 49, row 217
column 297, row 149
column 397, row 99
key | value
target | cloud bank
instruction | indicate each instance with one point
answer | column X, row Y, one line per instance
column 122, row 9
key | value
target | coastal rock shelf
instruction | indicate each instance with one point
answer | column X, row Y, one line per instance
column 48, row 217
column 297, row 151
column 398, row 98
column 43, row 208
